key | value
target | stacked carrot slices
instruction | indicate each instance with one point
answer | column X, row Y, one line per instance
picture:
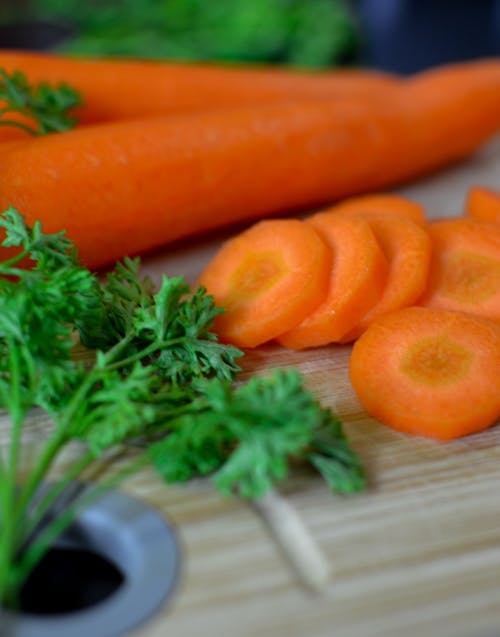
column 379, row 256
column 420, row 298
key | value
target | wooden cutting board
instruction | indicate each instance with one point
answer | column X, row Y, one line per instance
column 417, row 554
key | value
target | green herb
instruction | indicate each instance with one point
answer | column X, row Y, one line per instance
column 157, row 386
column 308, row 33
column 245, row 437
column 48, row 107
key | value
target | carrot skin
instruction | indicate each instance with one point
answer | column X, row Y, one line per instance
column 451, row 111
column 127, row 187
column 115, row 89
column 429, row 372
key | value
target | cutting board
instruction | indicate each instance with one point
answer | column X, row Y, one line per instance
column 417, row 554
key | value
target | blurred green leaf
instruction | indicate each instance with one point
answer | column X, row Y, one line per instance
column 308, row 33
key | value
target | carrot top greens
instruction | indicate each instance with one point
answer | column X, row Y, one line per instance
column 157, row 386
column 49, row 108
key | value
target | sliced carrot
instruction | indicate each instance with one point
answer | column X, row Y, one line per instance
column 429, row 372
column 383, row 203
column 483, row 204
column 358, row 278
column 268, row 278
column 407, row 248
column 465, row 267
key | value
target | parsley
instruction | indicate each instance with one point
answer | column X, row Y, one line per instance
column 244, row 437
column 256, row 31
column 158, row 387
column 49, row 108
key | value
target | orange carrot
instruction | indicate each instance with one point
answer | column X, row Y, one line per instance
column 483, row 204
column 383, row 203
column 450, row 110
column 465, row 267
column 123, row 89
column 429, row 372
column 358, row 277
column 407, row 248
column 128, row 187
column 268, row 278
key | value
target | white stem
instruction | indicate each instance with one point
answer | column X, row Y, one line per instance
column 293, row 538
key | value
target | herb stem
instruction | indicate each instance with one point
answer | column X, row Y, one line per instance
column 7, row 263
column 294, row 540
column 36, row 519
column 20, row 125
column 16, row 412
column 54, row 444
column 113, row 352
column 147, row 351
column 37, row 549
column 7, row 535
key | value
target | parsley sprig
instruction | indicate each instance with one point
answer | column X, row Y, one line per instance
column 44, row 108
column 157, row 386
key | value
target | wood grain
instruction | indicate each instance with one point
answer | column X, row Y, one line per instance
column 417, row 554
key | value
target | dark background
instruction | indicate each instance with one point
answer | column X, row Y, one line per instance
column 395, row 35
column 408, row 35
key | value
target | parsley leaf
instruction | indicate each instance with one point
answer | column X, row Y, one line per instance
column 333, row 457
column 48, row 107
column 170, row 329
column 159, row 383
column 246, row 438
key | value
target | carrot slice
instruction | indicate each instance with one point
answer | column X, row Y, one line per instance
column 465, row 267
column 429, row 372
column 407, row 248
column 268, row 278
column 358, row 277
column 483, row 204
column 383, row 203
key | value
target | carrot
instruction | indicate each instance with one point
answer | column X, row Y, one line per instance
column 450, row 110
column 123, row 89
column 127, row 187
column 358, row 277
column 483, row 204
column 268, row 278
column 429, row 372
column 407, row 248
column 465, row 267
column 383, row 203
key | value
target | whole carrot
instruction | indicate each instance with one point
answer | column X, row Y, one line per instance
column 127, row 187
column 122, row 89
column 450, row 110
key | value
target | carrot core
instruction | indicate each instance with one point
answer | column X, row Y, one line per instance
column 436, row 361
column 469, row 277
column 256, row 274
